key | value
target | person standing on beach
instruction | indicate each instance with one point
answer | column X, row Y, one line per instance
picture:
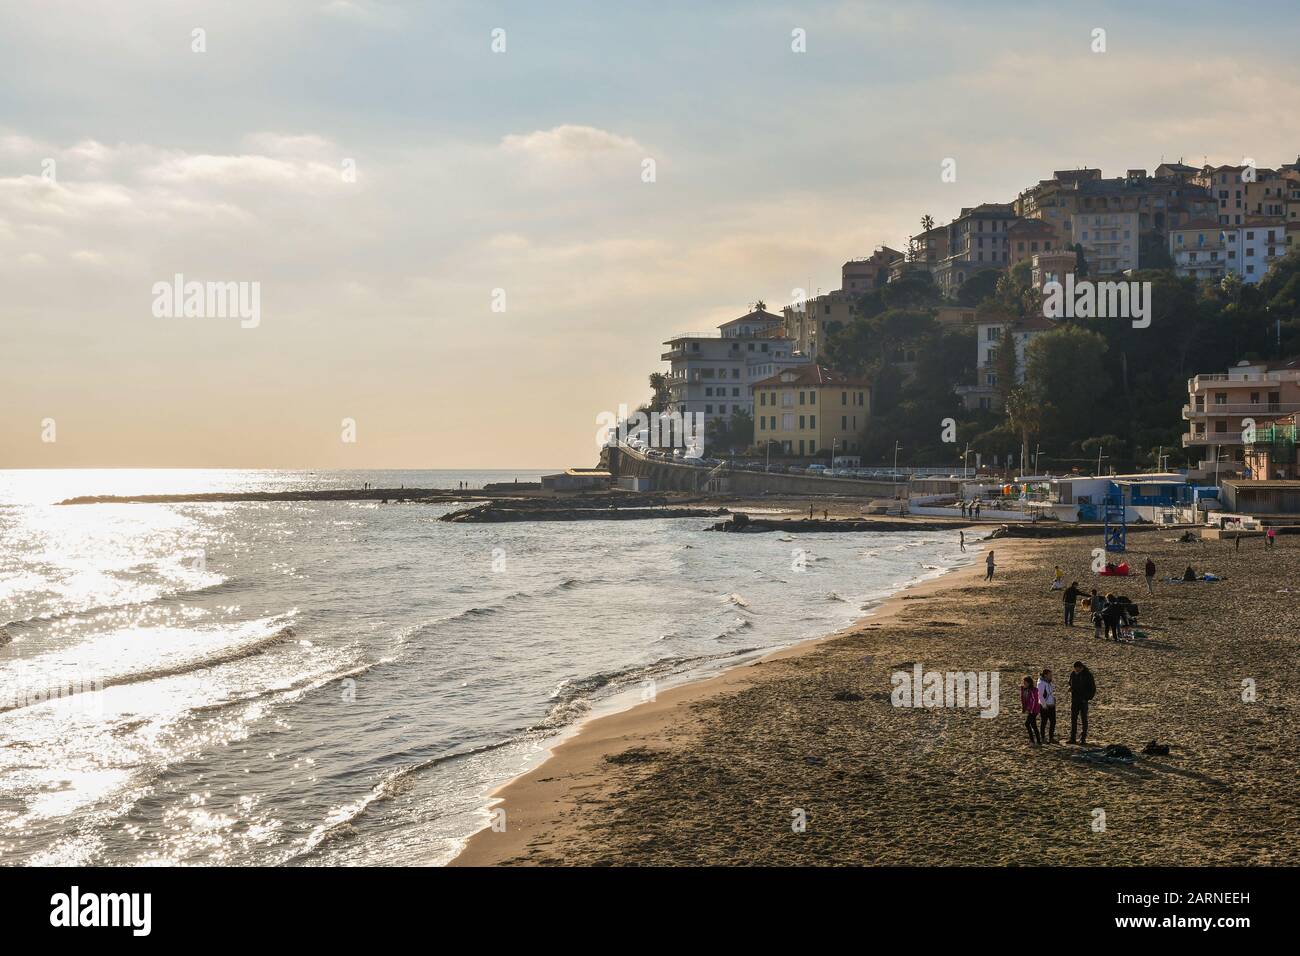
column 1110, row 616
column 1097, row 604
column 1083, row 688
column 1058, row 578
column 1071, row 597
column 963, row 541
column 1271, row 537
column 977, row 509
column 1029, row 704
column 1151, row 576
column 1047, row 707
column 963, row 507
column 988, row 563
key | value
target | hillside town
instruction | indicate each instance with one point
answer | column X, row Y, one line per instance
column 939, row 358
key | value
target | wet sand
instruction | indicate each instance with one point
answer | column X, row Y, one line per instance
column 715, row 772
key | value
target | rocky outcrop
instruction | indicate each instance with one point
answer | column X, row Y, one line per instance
column 494, row 512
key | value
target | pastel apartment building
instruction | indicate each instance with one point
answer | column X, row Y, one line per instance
column 1218, row 403
column 1208, row 249
column 811, row 409
column 977, row 240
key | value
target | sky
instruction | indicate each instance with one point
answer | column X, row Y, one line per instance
column 458, row 258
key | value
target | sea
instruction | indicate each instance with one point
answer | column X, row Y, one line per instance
column 344, row 683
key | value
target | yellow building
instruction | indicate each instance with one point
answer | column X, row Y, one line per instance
column 810, row 410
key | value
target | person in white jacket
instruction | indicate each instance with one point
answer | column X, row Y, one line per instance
column 1047, row 706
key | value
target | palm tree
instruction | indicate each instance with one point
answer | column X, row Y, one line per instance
column 659, row 388
column 1025, row 417
column 927, row 222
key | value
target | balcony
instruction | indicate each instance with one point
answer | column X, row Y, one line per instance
column 1212, row 438
column 1264, row 409
column 1276, row 377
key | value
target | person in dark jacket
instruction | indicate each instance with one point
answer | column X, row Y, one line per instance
column 1110, row 616
column 1071, row 598
column 1151, row 576
column 1083, row 688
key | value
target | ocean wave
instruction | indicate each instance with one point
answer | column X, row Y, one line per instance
column 23, row 697
column 341, row 824
column 176, row 596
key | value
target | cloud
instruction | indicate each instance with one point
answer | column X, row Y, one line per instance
column 564, row 144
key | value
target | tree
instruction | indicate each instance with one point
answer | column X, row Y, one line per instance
column 927, row 222
column 982, row 285
column 1065, row 374
column 1025, row 417
column 1007, row 364
column 660, row 394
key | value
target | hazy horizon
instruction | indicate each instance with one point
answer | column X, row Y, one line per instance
column 127, row 158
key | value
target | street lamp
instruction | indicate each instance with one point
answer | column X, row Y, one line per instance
column 896, row 447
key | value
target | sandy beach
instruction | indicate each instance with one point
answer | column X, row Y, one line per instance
column 722, row 771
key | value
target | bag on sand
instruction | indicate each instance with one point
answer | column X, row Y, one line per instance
column 1154, row 749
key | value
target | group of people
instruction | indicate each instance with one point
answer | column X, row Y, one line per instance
column 1110, row 612
column 1038, row 701
column 970, row 509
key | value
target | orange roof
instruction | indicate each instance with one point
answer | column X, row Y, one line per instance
column 814, row 376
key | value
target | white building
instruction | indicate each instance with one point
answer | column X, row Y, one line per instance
column 711, row 373
column 1262, row 242
column 991, row 336
column 1205, row 249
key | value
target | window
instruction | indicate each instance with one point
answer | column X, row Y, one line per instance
column 787, row 422
column 844, row 423
column 812, row 398
column 801, row 422
column 812, row 421
column 844, row 398
column 708, row 409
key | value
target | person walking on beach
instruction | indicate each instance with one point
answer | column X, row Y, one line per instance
column 1071, row 597
column 1083, row 688
column 1271, row 537
column 1237, row 539
column 988, row 564
column 1151, row 576
column 1046, row 707
column 1029, row 704
column 1058, row 578
column 963, row 541
column 1097, row 605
